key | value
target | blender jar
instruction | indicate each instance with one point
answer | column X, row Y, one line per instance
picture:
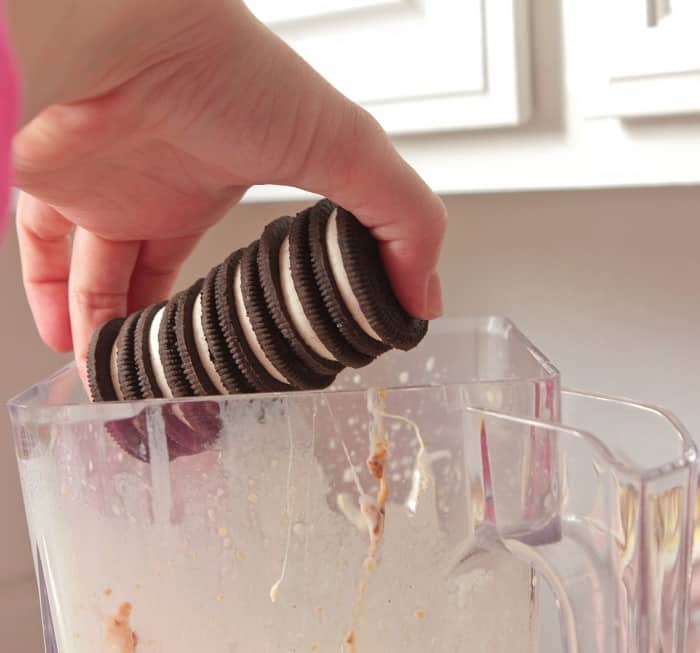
column 421, row 504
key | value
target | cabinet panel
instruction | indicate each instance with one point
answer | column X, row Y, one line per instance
column 417, row 65
column 277, row 12
column 586, row 89
column 647, row 57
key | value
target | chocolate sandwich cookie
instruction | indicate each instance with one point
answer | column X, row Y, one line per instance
column 127, row 369
column 103, row 383
column 313, row 307
column 330, row 280
column 197, row 376
column 99, row 361
column 283, row 304
column 225, row 366
column 191, row 426
column 238, row 332
column 370, row 285
column 270, row 346
column 286, row 313
column 131, row 435
column 176, row 451
column 148, row 384
column 169, row 354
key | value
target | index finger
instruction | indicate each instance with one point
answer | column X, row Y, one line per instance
column 99, row 283
column 45, row 248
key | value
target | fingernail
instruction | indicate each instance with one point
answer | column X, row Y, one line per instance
column 434, row 297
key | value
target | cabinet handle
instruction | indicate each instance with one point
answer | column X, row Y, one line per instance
column 657, row 10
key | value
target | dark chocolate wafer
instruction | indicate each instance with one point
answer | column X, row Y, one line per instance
column 127, row 370
column 197, row 376
column 270, row 339
column 99, row 370
column 130, row 434
column 231, row 376
column 371, row 285
column 124, row 432
column 192, row 426
column 310, row 297
column 327, row 285
column 233, row 332
column 269, row 270
column 148, row 384
column 169, row 354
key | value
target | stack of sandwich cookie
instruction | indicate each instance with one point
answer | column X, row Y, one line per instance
column 288, row 312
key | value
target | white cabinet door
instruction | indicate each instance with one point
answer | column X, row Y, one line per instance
column 647, row 57
column 426, row 66
column 416, row 65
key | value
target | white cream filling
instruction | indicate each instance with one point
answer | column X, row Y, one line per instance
column 294, row 308
column 154, row 347
column 341, row 277
column 248, row 330
column 114, row 372
column 202, row 347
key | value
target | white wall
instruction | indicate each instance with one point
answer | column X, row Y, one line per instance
column 607, row 283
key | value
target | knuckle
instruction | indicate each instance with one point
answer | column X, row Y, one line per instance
column 359, row 137
column 98, row 304
column 333, row 143
column 303, row 148
column 441, row 219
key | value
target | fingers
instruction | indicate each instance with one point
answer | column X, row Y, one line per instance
column 157, row 266
column 341, row 152
column 45, row 250
column 100, row 276
column 102, row 279
column 110, row 279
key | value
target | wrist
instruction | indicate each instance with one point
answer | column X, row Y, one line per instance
column 67, row 50
column 43, row 36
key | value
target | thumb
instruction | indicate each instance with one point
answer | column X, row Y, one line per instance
column 354, row 164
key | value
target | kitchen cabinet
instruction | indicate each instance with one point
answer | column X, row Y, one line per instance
column 649, row 60
column 511, row 95
column 417, row 66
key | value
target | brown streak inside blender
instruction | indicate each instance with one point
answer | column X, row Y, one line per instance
column 118, row 632
column 373, row 510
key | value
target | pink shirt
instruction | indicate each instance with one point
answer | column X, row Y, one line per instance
column 8, row 116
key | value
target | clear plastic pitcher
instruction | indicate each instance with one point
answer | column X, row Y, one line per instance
column 432, row 502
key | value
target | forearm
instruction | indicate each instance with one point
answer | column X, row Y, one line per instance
column 47, row 38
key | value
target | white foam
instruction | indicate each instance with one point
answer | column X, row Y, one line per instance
column 294, row 308
column 202, row 347
column 156, row 363
column 341, row 277
column 249, row 331
column 274, row 590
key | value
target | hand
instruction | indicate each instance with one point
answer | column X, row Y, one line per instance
column 165, row 135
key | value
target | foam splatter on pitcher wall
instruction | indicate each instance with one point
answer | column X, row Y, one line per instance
column 195, row 545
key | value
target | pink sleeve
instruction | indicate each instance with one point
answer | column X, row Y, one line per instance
column 8, row 116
